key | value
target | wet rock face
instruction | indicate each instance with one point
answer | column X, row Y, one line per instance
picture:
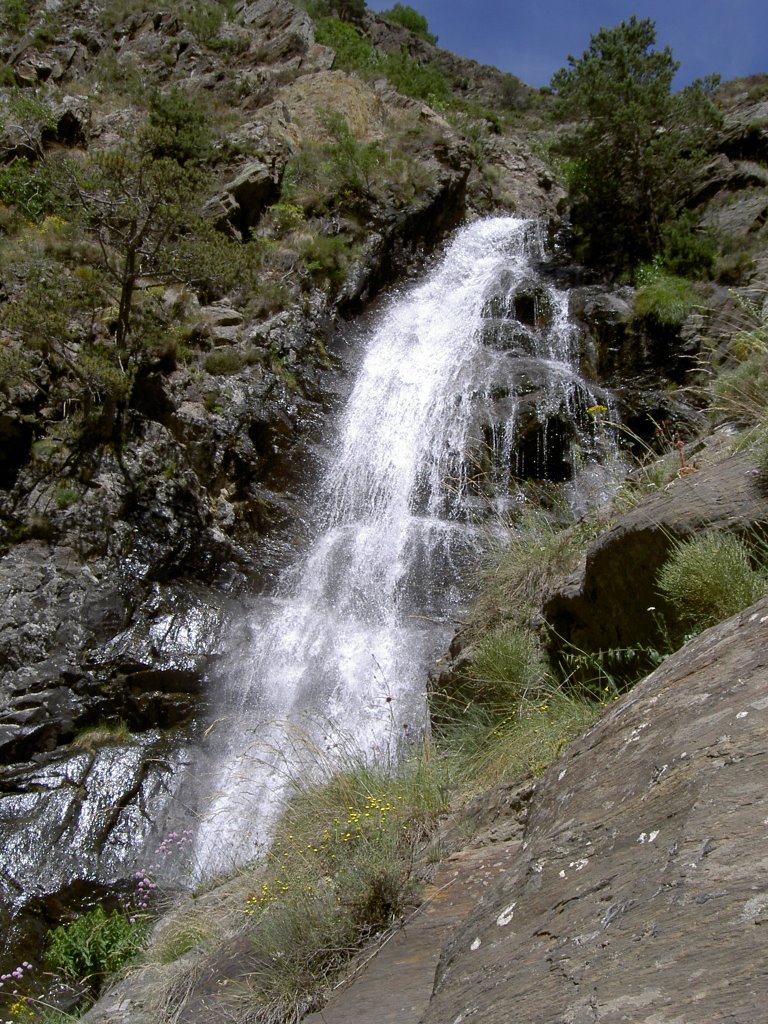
column 637, row 893
column 76, row 816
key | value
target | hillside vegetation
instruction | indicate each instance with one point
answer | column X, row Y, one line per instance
column 194, row 199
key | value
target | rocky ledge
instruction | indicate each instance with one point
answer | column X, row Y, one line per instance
column 639, row 893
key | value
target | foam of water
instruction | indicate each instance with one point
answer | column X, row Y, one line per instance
column 371, row 606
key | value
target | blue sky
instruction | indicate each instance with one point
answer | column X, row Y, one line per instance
column 533, row 38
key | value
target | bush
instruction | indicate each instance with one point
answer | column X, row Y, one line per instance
column 687, row 250
column 663, row 298
column 709, row 578
column 14, row 15
column 353, row 53
column 410, row 18
column 506, row 665
column 95, row 945
column 31, row 188
column 421, row 81
column 223, row 362
column 177, row 128
column 326, row 258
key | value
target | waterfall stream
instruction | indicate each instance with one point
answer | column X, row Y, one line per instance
column 467, row 383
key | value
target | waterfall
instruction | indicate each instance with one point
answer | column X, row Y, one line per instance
column 467, row 383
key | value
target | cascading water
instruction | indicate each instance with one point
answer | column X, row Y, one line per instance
column 455, row 372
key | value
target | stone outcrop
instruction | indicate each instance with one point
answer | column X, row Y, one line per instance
column 638, row 894
column 611, row 602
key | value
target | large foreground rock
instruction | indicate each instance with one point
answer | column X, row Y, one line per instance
column 641, row 892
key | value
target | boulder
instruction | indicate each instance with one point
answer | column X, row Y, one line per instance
column 611, row 602
column 637, row 895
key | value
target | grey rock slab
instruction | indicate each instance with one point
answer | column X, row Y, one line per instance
column 396, row 983
column 642, row 891
column 609, row 602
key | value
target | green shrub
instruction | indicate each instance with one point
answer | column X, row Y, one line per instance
column 663, row 298
column 421, row 81
column 709, row 578
column 223, row 362
column 687, row 249
column 505, row 666
column 326, row 258
column 95, row 945
column 177, row 128
column 31, row 187
column 353, row 53
column 351, row 163
column 408, row 17
column 14, row 15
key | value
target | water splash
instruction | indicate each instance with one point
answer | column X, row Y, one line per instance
column 425, row 455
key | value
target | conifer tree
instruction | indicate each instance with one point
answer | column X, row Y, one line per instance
column 632, row 144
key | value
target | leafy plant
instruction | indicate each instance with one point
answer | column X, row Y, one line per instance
column 412, row 78
column 709, row 578
column 177, row 129
column 632, row 144
column 663, row 298
column 353, row 53
column 408, row 17
column 95, row 945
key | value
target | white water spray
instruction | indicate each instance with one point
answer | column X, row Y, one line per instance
column 401, row 504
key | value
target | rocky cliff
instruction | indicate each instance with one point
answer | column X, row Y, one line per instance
column 127, row 539
column 125, row 546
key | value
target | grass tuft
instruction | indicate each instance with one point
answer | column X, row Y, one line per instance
column 709, row 578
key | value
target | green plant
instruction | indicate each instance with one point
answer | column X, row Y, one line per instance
column 506, row 665
column 687, row 250
column 421, row 81
column 408, row 17
column 353, row 53
column 106, row 734
column 95, row 945
column 604, row 675
column 633, row 144
column 14, row 15
column 741, row 392
column 182, row 935
column 66, row 496
column 223, row 362
column 483, row 749
column 177, row 128
column 326, row 258
column 30, row 187
column 663, row 298
column 351, row 163
column 709, row 578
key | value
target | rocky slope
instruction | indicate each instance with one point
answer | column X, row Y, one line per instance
column 638, row 893
column 121, row 562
